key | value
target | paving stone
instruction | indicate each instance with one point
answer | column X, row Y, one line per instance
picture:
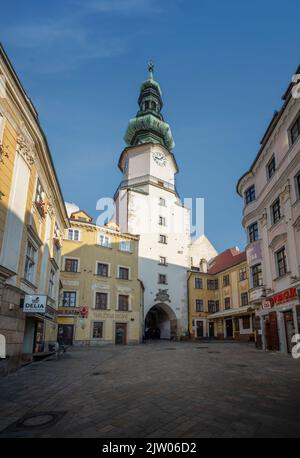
column 149, row 391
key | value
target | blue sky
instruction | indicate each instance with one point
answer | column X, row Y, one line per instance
column 223, row 67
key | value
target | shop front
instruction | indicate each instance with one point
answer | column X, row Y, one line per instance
column 40, row 325
column 280, row 320
column 234, row 324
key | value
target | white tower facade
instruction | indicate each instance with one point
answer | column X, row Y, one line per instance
column 147, row 204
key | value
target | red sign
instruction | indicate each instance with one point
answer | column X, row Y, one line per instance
column 286, row 296
column 84, row 311
column 266, row 305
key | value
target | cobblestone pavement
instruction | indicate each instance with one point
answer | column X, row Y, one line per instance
column 160, row 389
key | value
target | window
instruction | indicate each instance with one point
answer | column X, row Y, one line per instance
column 244, row 299
column 250, row 195
column 97, row 329
column 162, row 221
column 276, row 211
column 73, row 234
column 243, row 274
column 163, row 239
column 104, row 241
column 226, row 280
column 297, row 185
column 246, row 322
column 162, row 279
column 51, row 282
column 227, row 303
column 199, row 305
column 124, row 273
column 102, row 269
column 295, row 130
column 212, row 285
column 281, row 262
column 71, row 265
column 256, row 273
column 101, row 301
column 125, row 246
column 123, row 303
column 162, row 202
column 212, row 307
column 162, row 261
column 217, row 306
column 253, row 232
column 69, row 299
column 271, row 167
column 30, row 262
column 198, row 283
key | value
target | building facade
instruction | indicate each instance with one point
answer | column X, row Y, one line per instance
column 101, row 297
column 148, row 204
column 271, row 193
column 33, row 219
column 219, row 298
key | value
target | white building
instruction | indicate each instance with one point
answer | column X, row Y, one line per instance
column 148, row 204
column 271, row 191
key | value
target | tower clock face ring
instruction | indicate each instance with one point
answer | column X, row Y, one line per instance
column 160, row 158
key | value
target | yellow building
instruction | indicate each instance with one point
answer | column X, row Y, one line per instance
column 101, row 300
column 218, row 298
column 33, row 219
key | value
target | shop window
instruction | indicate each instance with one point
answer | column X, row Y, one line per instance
column 98, row 330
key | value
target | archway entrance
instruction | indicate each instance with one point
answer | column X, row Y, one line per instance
column 161, row 323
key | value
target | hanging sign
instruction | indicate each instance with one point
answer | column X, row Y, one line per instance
column 35, row 304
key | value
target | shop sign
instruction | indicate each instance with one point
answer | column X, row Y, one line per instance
column 50, row 313
column 286, row 296
column 35, row 304
column 254, row 253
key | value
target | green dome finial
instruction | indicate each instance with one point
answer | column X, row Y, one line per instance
column 149, row 125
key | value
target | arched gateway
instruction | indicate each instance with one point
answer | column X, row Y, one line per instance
column 161, row 323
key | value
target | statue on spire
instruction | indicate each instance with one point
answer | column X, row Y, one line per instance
column 151, row 69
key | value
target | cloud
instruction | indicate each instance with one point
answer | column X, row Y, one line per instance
column 121, row 6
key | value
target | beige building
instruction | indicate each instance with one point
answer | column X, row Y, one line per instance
column 101, row 299
column 218, row 298
column 271, row 192
column 32, row 221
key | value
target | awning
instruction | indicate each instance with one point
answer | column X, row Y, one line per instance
column 232, row 312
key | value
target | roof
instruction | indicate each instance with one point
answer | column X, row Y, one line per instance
column 225, row 260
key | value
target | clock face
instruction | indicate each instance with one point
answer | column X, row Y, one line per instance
column 160, row 159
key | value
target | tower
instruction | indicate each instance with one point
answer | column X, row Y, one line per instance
column 148, row 204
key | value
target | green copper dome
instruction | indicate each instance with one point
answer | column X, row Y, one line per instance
column 149, row 126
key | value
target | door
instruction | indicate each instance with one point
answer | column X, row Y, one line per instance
column 211, row 329
column 289, row 329
column 38, row 344
column 271, row 332
column 121, row 333
column 65, row 334
column 200, row 329
column 229, row 329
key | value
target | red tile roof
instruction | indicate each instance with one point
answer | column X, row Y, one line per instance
column 225, row 260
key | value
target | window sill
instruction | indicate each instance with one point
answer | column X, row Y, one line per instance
column 279, row 277
column 126, row 252
column 103, row 246
column 71, row 272
column 102, row 276
column 274, row 225
column 124, row 279
column 28, row 283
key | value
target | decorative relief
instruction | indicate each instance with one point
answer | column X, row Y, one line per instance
column 25, row 150
column 286, row 193
column 162, row 296
column 264, row 218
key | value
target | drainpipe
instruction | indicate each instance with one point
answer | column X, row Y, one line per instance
column 188, row 303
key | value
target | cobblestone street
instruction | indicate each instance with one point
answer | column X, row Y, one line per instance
column 161, row 389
